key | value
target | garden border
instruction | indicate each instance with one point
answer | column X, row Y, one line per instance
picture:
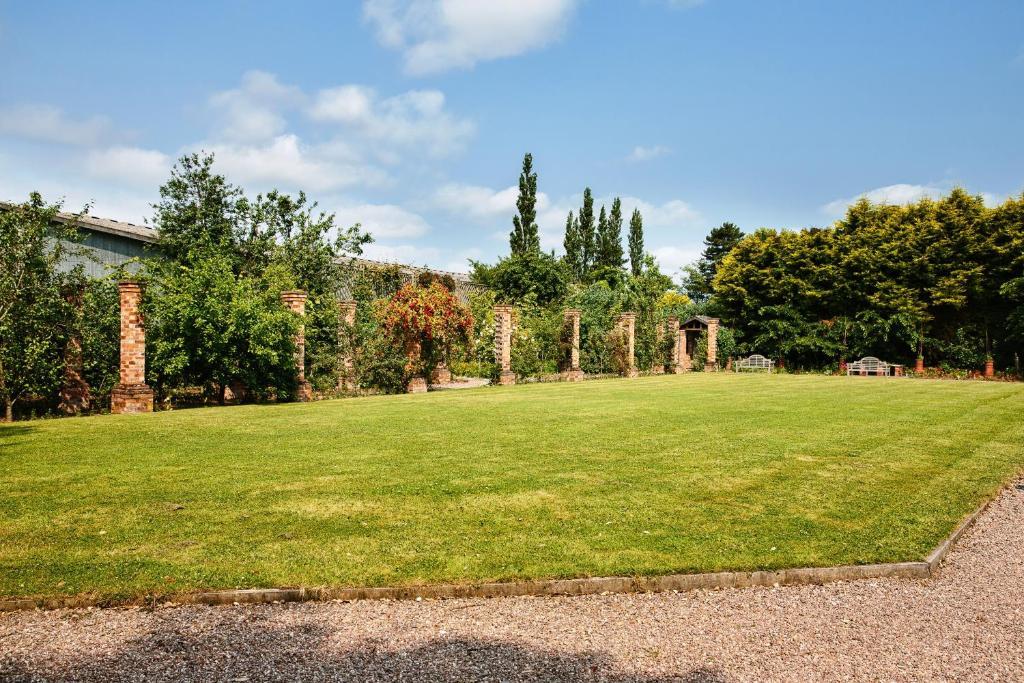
column 798, row 576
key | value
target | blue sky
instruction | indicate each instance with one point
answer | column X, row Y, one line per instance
column 412, row 117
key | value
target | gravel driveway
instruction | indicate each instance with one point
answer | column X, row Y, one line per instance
column 966, row 624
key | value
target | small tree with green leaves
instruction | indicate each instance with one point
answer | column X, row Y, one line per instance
column 34, row 316
column 636, row 243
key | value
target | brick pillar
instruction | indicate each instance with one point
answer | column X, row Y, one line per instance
column 685, row 362
column 417, row 383
column 346, row 364
column 673, row 331
column 74, row 392
column 295, row 300
column 711, row 362
column 441, row 374
column 503, row 344
column 627, row 322
column 572, row 322
column 990, row 368
column 131, row 395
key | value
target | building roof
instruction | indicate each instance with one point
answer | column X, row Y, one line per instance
column 141, row 233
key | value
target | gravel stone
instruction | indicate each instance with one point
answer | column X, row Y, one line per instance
column 965, row 624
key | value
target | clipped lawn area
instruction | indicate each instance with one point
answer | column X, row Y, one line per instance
column 655, row 475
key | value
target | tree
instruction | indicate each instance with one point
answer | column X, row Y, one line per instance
column 203, row 219
column 34, row 317
column 610, row 237
column 525, row 237
column 208, row 327
column 197, row 210
column 573, row 245
column 636, row 243
column 588, row 238
column 718, row 243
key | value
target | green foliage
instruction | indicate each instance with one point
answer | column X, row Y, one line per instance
column 717, row 245
column 207, row 327
column 887, row 281
column 100, row 329
column 574, row 258
column 536, row 339
column 587, row 232
column 525, row 237
column 609, row 239
column 538, row 275
column 35, row 319
column 636, row 243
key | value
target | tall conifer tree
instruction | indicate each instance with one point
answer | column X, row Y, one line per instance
column 573, row 247
column 609, row 237
column 588, row 239
column 525, row 237
column 636, row 243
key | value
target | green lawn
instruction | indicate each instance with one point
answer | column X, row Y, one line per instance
column 653, row 475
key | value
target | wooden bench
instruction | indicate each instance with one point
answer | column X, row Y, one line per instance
column 868, row 365
column 755, row 362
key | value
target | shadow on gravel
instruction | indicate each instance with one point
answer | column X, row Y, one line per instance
column 247, row 650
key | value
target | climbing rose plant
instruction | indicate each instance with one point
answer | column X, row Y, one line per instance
column 429, row 316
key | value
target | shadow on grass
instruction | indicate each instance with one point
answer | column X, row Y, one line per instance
column 243, row 647
column 10, row 431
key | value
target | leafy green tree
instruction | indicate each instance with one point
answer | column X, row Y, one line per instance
column 588, row 234
column 208, row 327
column 573, row 245
column 538, row 275
column 525, row 237
column 34, row 317
column 718, row 243
column 636, row 243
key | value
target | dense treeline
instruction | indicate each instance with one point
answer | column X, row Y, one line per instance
column 940, row 278
column 596, row 274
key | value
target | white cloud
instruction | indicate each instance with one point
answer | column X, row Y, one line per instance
column 438, row 35
column 253, row 111
column 285, row 161
column 482, row 202
column 671, row 259
column 383, row 221
column 414, row 255
column 416, row 118
column 901, row 193
column 50, row 124
column 641, row 153
column 131, row 165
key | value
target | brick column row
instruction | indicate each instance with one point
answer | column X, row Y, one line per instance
column 572, row 322
column 295, row 300
column 503, row 344
column 132, row 395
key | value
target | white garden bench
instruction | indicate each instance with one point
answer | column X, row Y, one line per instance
column 868, row 365
column 755, row 362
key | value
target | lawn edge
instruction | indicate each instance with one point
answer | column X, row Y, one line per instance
column 798, row 576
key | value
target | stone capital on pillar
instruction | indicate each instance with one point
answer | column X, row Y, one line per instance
column 132, row 395
column 295, row 300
